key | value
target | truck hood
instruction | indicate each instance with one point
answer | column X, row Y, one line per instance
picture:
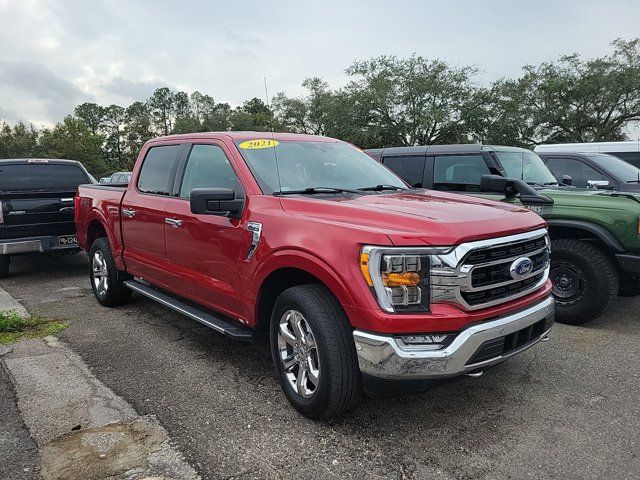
column 419, row 217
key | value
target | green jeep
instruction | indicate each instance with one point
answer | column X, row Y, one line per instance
column 595, row 234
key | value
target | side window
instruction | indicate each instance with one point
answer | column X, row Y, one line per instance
column 207, row 167
column 459, row 173
column 630, row 157
column 410, row 169
column 156, row 170
column 580, row 172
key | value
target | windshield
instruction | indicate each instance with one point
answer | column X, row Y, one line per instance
column 303, row 164
column 526, row 166
column 616, row 166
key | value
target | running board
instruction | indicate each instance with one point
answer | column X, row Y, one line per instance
column 219, row 324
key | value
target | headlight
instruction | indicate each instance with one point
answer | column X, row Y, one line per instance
column 399, row 277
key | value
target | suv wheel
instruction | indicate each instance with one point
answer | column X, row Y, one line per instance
column 4, row 265
column 107, row 288
column 585, row 280
column 314, row 353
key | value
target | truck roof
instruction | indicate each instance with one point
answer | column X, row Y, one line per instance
column 443, row 149
column 22, row 161
column 235, row 136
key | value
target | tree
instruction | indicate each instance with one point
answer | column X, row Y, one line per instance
column 137, row 131
column 91, row 114
column 412, row 101
column 72, row 139
column 252, row 115
column 162, row 109
column 114, row 118
column 18, row 142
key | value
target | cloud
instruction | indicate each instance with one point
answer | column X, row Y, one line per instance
column 57, row 96
column 132, row 90
column 11, row 117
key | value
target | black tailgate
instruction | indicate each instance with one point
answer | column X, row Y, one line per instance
column 32, row 214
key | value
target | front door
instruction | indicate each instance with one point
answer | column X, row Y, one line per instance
column 204, row 251
column 143, row 216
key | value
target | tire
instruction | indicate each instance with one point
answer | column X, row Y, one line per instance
column 629, row 285
column 333, row 362
column 113, row 291
column 4, row 265
column 585, row 280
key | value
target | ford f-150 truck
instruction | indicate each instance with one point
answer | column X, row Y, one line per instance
column 595, row 234
column 36, row 207
column 356, row 276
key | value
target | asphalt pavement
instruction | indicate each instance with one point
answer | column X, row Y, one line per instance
column 567, row 408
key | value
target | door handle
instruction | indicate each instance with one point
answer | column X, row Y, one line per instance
column 127, row 212
column 174, row 222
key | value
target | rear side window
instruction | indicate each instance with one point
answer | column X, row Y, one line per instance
column 41, row 176
column 459, row 173
column 208, row 167
column 156, row 170
column 410, row 169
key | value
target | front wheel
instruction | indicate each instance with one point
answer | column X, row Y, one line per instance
column 585, row 280
column 108, row 289
column 314, row 353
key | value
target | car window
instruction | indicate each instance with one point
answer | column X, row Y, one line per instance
column 632, row 157
column 208, row 167
column 459, row 173
column 410, row 169
column 41, row 176
column 580, row 172
column 156, row 169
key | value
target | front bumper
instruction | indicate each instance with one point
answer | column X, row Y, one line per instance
column 629, row 263
column 49, row 243
column 382, row 356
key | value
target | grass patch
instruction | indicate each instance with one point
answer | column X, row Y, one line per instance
column 13, row 327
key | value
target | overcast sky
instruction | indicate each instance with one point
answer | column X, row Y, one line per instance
column 55, row 55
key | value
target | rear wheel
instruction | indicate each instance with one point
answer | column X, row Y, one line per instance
column 314, row 353
column 585, row 280
column 4, row 265
column 108, row 289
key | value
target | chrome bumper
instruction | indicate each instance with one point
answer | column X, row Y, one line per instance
column 382, row 356
column 11, row 248
column 49, row 243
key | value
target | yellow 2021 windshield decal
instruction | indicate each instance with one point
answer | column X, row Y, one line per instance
column 258, row 143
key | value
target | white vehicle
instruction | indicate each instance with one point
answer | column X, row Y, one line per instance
column 627, row 151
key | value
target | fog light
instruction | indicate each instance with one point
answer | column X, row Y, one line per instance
column 435, row 341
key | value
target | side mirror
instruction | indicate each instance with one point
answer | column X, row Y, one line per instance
column 215, row 201
column 599, row 185
column 513, row 186
column 494, row 184
column 567, row 180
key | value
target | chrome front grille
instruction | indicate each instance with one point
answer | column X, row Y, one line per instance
column 479, row 274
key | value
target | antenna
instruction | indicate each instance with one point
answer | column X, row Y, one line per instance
column 275, row 155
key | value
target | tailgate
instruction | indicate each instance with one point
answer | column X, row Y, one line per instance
column 30, row 214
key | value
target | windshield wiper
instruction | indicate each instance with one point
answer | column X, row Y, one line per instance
column 314, row 190
column 380, row 188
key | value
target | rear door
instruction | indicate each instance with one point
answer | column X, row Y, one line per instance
column 37, row 198
column 142, row 213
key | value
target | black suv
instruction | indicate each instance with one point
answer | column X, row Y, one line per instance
column 36, row 207
column 593, row 170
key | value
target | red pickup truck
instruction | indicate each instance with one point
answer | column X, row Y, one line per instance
column 357, row 277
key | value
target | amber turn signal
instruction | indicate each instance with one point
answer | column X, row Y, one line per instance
column 408, row 279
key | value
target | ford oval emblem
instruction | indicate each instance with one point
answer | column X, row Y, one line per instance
column 520, row 268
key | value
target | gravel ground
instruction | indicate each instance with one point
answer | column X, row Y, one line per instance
column 567, row 408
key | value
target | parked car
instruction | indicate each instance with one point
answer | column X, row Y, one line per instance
column 36, row 207
column 627, row 151
column 593, row 170
column 595, row 234
column 121, row 178
column 355, row 276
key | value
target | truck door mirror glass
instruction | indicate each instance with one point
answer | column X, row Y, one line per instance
column 567, row 180
column 599, row 184
column 215, row 201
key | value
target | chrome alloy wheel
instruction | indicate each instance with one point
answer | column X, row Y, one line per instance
column 100, row 273
column 298, row 353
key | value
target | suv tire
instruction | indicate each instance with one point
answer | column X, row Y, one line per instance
column 321, row 348
column 4, row 265
column 585, row 280
column 108, row 288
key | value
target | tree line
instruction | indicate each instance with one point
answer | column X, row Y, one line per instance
column 388, row 101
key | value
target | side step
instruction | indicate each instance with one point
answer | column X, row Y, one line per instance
column 219, row 324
